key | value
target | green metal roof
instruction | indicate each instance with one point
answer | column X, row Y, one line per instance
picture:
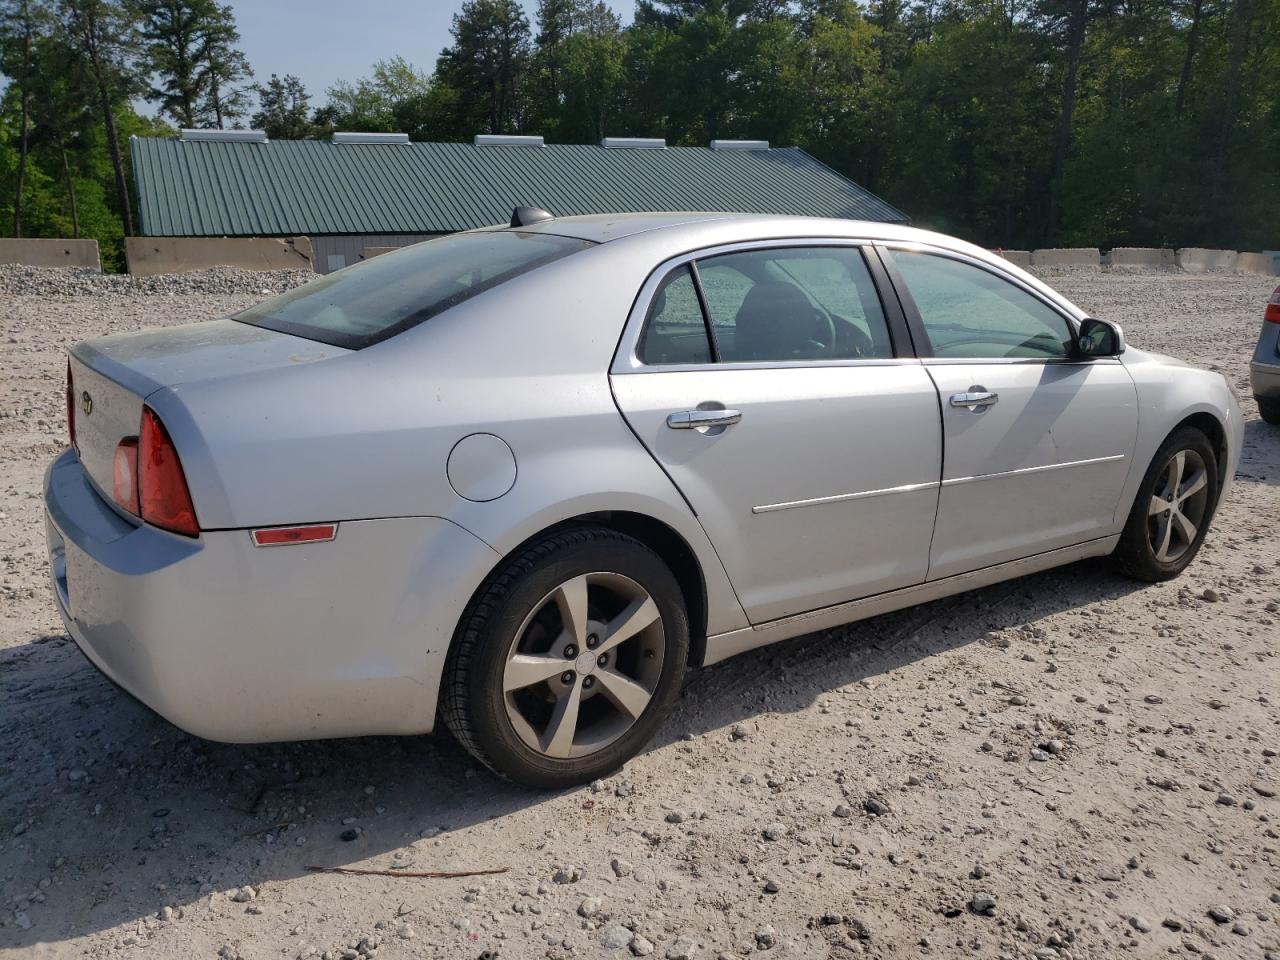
column 312, row 187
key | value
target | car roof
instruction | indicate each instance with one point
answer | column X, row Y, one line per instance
column 661, row 234
column 606, row 227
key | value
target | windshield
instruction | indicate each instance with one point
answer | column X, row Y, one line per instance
column 377, row 299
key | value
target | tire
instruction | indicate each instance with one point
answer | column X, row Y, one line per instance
column 1269, row 409
column 520, row 627
column 1145, row 551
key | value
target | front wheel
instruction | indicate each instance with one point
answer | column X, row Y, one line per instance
column 1171, row 513
column 1269, row 409
column 568, row 659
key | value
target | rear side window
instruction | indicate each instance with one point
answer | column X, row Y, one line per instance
column 778, row 305
column 675, row 331
column 794, row 303
column 380, row 298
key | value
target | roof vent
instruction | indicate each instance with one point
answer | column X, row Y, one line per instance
column 739, row 144
column 224, row 136
column 503, row 140
column 395, row 138
column 633, row 143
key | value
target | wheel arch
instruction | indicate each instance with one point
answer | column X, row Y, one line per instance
column 1213, row 428
column 670, row 546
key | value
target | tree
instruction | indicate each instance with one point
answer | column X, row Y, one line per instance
column 283, row 109
column 392, row 100
column 486, row 65
column 577, row 71
column 17, row 39
column 189, row 48
column 228, row 94
column 105, row 34
column 62, row 111
column 1071, row 19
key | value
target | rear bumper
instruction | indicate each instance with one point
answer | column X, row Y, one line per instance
column 246, row 644
column 1264, row 379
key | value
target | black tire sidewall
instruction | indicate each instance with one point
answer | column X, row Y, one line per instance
column 1135, row 548
column 502, row 746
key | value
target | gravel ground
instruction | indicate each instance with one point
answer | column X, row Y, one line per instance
column 1069, row 765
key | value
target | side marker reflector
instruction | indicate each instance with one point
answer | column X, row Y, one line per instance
column 286, row 536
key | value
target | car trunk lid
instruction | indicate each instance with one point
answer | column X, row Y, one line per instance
column 111, row 377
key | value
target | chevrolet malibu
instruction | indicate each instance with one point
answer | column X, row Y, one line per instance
column 523, row 478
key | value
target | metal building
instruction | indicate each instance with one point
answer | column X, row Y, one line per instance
column 361, row 190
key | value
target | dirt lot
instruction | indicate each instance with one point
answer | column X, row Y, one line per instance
column 1093, row 757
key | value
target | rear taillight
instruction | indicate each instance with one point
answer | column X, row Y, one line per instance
column 71, row 407
column 163, row 496
column 124, row 475
column 1273, row 308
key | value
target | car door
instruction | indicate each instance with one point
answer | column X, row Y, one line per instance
column 780, row 396
column 1037, row 441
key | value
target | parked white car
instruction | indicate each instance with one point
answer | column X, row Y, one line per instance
column 524, row 477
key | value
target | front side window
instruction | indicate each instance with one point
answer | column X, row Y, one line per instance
column 380, row 298
column 969, row 312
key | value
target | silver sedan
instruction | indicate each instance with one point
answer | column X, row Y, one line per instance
column 524, row 477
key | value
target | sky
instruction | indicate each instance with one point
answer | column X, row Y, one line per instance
column 323, row 41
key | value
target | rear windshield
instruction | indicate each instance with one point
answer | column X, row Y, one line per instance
column 377, row 299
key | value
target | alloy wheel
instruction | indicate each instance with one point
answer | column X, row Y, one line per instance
column 1178, row 505
column 584, row 665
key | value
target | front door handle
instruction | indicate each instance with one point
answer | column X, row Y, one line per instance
column 692, row 419
column 974, row 399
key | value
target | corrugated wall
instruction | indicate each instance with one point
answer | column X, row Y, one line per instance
column 314, row 188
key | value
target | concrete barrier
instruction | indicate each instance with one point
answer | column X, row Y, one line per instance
column 1275, row 259
column 1201, row 260
column 1067, row 257
column 51, row 253
column 1262, row 263
column 368, row 253
column 148, row 256
column 1157, row 257
column 1019, row 258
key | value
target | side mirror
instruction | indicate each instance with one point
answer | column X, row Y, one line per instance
column 1099, row 338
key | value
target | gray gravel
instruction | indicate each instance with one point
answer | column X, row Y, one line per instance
column 22, row 281
column 121, row 837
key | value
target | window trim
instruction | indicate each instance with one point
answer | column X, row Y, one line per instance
column 626, row 357
column 915, row 322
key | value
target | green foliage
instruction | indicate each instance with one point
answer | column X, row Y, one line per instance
column 189, row 49
column 284, row 109
column 486, row 67
column 1010, row 122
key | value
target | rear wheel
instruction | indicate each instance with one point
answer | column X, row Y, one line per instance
column 1269, row 408
column 566, row 662
column 1173, row 508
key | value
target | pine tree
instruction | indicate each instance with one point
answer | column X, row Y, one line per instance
column 486, row 65
column 189, row 49
column 284, row 109
column 105, row 35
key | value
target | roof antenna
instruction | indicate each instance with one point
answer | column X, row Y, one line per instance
column 528, row 216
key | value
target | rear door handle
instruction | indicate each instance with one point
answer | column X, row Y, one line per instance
column 974, row 399
column 692, row 419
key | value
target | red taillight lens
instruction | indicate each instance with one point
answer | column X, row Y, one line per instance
column 71, row 407
column 1273, row 308
column 124, row 475
column 162, row 486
